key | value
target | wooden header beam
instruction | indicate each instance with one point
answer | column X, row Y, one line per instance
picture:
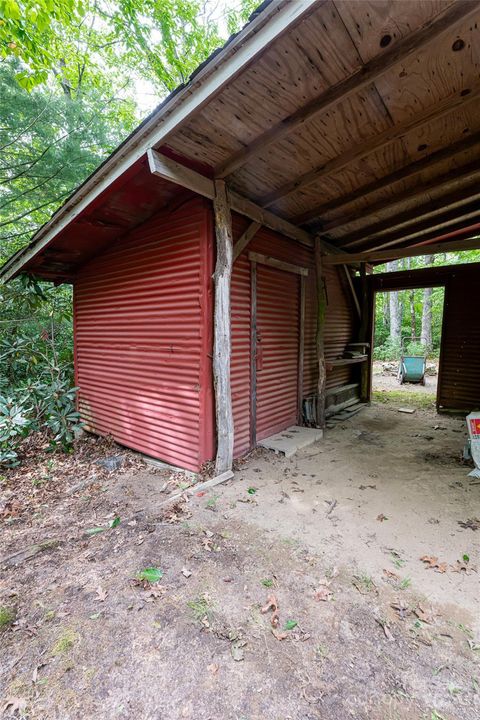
column 365, row 75
column 415, row 251
column 174, row 172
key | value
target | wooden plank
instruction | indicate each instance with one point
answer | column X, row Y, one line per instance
column 279, row 264
column 459, row 198
column 454, row 175
column 222, row 346
column 175, row 172
column 407, row 171
column 321, row 316
column 253, row 355
column 244, row 239
column 365, row 75
column 301, row 349
column 414, row 251
column 371, row 145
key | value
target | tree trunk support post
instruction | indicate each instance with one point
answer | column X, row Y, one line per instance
column 321, row 315
column 222, row 345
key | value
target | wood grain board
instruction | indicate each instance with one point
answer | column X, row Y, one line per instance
column 421, row 104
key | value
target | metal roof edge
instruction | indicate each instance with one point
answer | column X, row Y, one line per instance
column 273, row 17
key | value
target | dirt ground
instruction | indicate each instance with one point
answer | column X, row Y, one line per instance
column 366, row 629
column 384, row 377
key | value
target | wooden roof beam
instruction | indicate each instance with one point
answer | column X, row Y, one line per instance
column 372, row 144
column 403, row 173
column 414, row 251
column 427, row 229
column 459, row 199
column 465, row 172
column 365, row 75
column 177, row 173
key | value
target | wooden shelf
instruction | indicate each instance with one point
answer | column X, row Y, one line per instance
column 346, row 361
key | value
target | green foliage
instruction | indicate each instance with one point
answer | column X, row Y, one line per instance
column 36, row 390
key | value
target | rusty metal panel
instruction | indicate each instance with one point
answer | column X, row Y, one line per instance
column 143, row 338
column 277, row 355
column 459, row 378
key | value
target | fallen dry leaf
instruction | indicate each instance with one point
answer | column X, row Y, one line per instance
column 386, row 630
column 272, row 604
column 213, row 668
column 432, row 563
column 101, row 594
column 465, row 567
column 279, row 635
column 424, row 615
column 322, row 594
column 381, row 517
column 390, row 574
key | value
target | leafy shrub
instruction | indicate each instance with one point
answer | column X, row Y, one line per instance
column 36, row 381
column 388, row 351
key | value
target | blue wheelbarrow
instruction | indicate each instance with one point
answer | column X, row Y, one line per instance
column 411, row 367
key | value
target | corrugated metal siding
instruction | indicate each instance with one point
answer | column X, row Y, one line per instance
column 339, row 324
column 278, row 302
column 459, row 381
column 143, row 338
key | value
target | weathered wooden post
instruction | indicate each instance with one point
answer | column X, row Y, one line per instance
column 363, row 333
column 222, row 345
column 321, row 314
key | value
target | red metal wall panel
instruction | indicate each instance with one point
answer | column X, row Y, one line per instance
column 143, row 312
column 339, row 331
column 278, row 335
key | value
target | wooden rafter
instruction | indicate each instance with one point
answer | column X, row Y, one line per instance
column 465, row 172
column 407, row 171
column 371, row 145
column 365, row 75
column 427, row 228
column 175, row 172
column 471, row 243
column 458, row 198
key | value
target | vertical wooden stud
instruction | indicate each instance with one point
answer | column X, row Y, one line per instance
column 222, row 345
column 321, row 315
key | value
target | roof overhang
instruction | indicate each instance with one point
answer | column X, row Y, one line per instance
column 322, row 118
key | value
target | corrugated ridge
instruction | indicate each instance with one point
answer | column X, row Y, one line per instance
column 140, row 337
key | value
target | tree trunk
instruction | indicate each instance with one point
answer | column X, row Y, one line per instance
column 426, row 334
column 222, row 347
column 395, row 309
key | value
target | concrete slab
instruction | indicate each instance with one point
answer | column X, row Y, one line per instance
column 292, row 439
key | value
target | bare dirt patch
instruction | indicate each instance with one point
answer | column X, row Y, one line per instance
column 369, row 631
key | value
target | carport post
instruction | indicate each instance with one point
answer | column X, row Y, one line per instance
column 321, row 313
column 222, row 344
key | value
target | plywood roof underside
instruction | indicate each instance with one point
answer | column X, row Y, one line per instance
column 390, row 163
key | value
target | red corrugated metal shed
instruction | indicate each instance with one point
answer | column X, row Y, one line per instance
column 143, row 339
